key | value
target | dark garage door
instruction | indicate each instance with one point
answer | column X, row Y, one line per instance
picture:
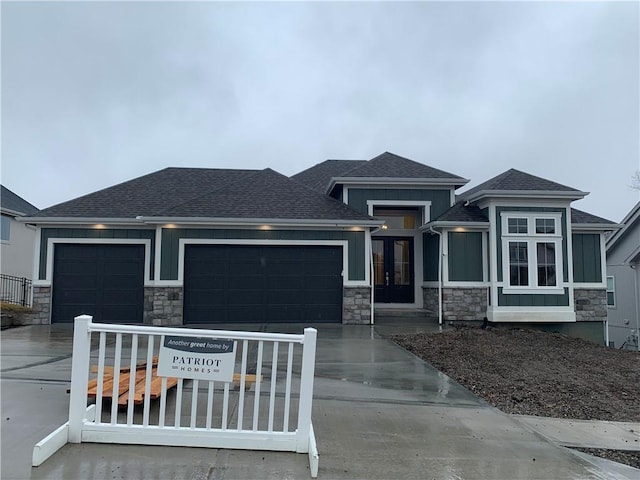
column 105, row 281
column 232, row 283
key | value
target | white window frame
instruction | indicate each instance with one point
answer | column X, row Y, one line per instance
column 6, row 230
column 612, row 290
column 531, row 238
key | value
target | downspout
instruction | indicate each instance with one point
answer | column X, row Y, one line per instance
column 371, row 272
column 439, row 274
column 635, row 277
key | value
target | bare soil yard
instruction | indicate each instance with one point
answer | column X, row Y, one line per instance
column 538, row 373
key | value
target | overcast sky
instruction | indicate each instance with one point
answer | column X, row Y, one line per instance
column 94, row 94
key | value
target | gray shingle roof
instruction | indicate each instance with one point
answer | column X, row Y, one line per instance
column 15, row 203
column 514, row 180
column 578, row 216
column 207, row 193
column 266, row 194
column 462, row 214
column 319, row 176
column 148, row 194
column 386, row 165
column 390, row 165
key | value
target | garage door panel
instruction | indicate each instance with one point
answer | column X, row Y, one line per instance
column 263, row 283
column 105, row 281
column 83, row 281
column 120, row 268
column 247, row 297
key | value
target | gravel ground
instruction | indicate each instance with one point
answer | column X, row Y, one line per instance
column 529, row 372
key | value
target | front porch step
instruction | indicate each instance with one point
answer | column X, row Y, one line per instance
column 404, row 313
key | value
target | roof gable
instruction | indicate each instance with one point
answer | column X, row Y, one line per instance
column 630, row 222
column 15, row 204
column 514, row 181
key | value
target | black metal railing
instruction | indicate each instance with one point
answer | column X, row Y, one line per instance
column 16, row 290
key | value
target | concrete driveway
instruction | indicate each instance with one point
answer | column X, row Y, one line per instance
column 379, row 413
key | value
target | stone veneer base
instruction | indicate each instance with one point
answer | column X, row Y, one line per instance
column 459, row 304
column 356, row 305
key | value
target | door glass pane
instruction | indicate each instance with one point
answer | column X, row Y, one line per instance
column 401, row 265
column 546, row 252
column 378, row 261
column 518, row 264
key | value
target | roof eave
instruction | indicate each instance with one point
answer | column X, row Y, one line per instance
column 596, row 226
column 79, row 220
column 14, row 213
column 450, row 182
column 221, row 221
column 539, row 194
column 451, row 224
column 141, row 221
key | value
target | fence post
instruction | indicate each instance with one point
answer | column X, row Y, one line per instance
column 24, row 291
column 79, row 376
column 306, row 390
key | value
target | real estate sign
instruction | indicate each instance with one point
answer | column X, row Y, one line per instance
column 197, row 357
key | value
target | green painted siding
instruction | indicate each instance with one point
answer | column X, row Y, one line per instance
column 563, row 221
column 430, row 252
column 587, row 263
column 107, row 233
column 171, row 238
column 440, row 199
column 533, row 300
column 465, row 256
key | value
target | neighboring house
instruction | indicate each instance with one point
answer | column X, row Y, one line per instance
column 623, row 282
column 17, row 244
column 184, row 246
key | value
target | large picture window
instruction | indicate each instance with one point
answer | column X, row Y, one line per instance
column 532, row 251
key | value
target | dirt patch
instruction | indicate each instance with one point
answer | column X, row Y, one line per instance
column 530, row 372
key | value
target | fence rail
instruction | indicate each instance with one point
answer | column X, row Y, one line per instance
column 16, row 290
column 274, row 414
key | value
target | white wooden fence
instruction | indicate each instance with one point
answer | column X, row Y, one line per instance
column 262, row 420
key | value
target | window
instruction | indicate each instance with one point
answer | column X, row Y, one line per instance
column 546, row 257
column 518, row 225
column 397, row 218
column 545, row 225
column 532, row 252
column 611, row 292
column 5, row 229
column 518, row 264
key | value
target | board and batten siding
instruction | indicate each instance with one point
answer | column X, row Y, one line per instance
column 96, row 233
column 440, row 199
column 465, row 256
column 430, row 253
column 587, row 259
column 171, row 240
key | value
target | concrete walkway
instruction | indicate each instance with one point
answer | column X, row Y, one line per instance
column 585, row 433
column 379, row 413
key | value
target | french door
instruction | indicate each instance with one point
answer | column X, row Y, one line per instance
column 393, row 269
